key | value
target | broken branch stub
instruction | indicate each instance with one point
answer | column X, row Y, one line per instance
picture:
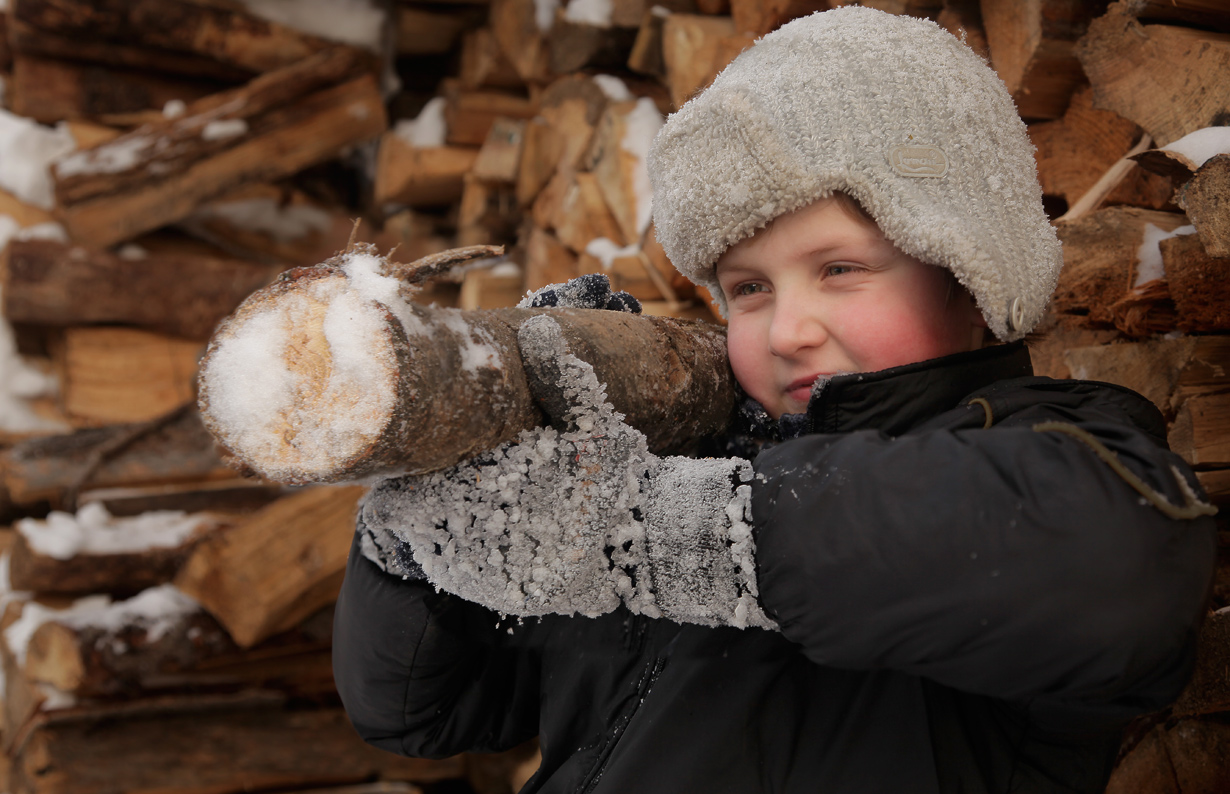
column 331, row 374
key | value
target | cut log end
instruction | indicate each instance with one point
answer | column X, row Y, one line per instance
column 302, row 381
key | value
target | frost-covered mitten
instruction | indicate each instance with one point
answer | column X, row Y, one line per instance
column 591, row 291
column 580, row 519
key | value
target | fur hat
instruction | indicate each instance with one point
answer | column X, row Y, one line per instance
column 893, row 111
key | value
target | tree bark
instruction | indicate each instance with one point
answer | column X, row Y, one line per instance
column 203, row 745
column 179, row 451
column 181, row 294
column 277, row 125
column 437, row 386
column 227, row 35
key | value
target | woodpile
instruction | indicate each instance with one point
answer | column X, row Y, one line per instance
column 165, row 620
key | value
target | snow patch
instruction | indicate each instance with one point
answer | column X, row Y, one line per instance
column 174, row 108
column 284, row 224
column 589, row 12
column 112, row 157
column 544, row 14
column 157, row 610
column 93, row 530
column 29, row 149
column 428, row 129
column 1201, row 145
column 223, row 129
column 478, row 349
column 1149, row 266
column 355, row 22
column 642, row 124
column 606, row 251
column 615, row 89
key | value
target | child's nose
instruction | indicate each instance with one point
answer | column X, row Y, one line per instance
column 796, row 326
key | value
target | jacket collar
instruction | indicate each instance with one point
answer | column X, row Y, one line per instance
column 898, row 399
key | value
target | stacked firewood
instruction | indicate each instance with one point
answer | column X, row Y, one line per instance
column 166, row 618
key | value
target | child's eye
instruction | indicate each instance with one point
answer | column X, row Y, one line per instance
column 747, row 288
column 840, row 270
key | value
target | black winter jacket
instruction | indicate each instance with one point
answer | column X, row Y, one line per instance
column 962, row 609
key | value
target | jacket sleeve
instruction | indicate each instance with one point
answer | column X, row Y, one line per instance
column 1006, row 562
column 426, row 674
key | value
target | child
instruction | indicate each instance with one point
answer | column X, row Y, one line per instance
column 942, row 574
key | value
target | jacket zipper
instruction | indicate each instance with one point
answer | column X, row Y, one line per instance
column 646, row 682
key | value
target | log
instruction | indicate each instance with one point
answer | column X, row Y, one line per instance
column 227, row 34
column 33, row 41
column 420, row 177
column 695, row 48
column 276, row 225
column 1169, row 80
column 483, row 63
column 515, row 28
column 1200, row 432
column 119, row 573
column 963, row 19
column 420, row 388
column 1206, row 200
column 1032, row 49
column 277, row 125
column 485, row 289
column 572, row 106
column 179, row 450
column 619, row 171
column 573, row 46
column 488, row 213
column 1203, row 13
column 50, row 90
column 225, row 498
column 470, row 115
column 573, row 205
column 113, row 374
column 1209, row 689
column 433, row 31
column 499, row 159
column 193, row 653
column 1199, row 285
column 203, row 745
column 1166, row 371
column 1074, row 152
column 1176, row 757
column 275, row 568
column 645, row 56
column 547, row 260
column 26, row 215
column 542, row 149
column 759, row 17
column 184, row 295
column 1100, row 254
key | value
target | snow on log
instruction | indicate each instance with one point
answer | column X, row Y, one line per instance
column 331, row 374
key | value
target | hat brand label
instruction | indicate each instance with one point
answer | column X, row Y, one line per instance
column 918, row 161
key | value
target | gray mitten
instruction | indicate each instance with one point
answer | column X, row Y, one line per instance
column 580, row 519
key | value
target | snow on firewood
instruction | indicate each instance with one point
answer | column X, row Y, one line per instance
column 93, row 530
column 156, row 610
column 355, row 22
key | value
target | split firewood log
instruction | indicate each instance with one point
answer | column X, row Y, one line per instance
column 1146, row 73
column 1032, row 49
column 330, row 374
column 1102, row 260
column 1199, row 285
column 1206, row 200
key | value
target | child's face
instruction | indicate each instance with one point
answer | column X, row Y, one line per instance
column 819, row 292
